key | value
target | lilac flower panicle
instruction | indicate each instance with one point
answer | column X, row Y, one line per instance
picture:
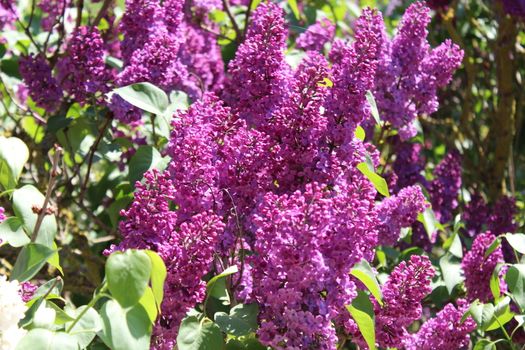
column 259, row 63
column 478, row 269
column 403, row 292
column 445, row 331
column 7, row 16
column 501, row 219
column 2, row 214
column 399, row 211
column 52, row 10
column 444, row 189
column 316, row 36
column 410, row 72
column 38, row 77
column 353, row 75
column 82, row 72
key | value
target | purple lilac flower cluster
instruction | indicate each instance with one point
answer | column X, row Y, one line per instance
column 43, row 87
column 445, row 331
column 403, row 293
column 316, row 36
column 478, row 269
column 410, row 72
column 268, row 164
column 2, row 214
column 515, row 7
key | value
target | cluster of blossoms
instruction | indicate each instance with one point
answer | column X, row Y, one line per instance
column 478, row 269
column 403, row 293
column 12, row 310
column 2, row 214
column 445, row 331
column 410, row 72
column 269, row 164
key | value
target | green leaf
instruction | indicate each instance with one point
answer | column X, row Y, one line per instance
column 229, row 271
column 516, row 241
column 158, row 276
column 87, row 326
column 146, row 158
column 128, row 274
column 43, row 339
column 13, row 156
column 429, row 221
column 363, row 272
column 379, row 183
column 481, row 313
column 494, row 283
column 125, row 328
column 242, row 320
column 195, row 335
column 148, row 302
column 453, row 245
column 502, row 315
column 12, row 232
column 25, row 200
column 245, row 343
column 451, row 271
column 362, row 312
column 484, row 344
column 373, row 106
column 145, row 96
column 294, row 8
column 30, row 260
column 495, row 244
column 360, row 133
column 515, row 279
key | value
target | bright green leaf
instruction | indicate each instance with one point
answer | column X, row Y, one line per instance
column 128, row 274
column 145, row 96
column 125, row 328
column 158, row 276
column 451, row 271
column 294, row 8
column 362, row 312
column 515, row 279
column 149, row 304
column 25, row 201
column 363, row 272
column 379, row 183
column 43, row 339
column 373, row 106
column 516, row 241
column 87, row 326
column 12, row 232
column 13, row 156
column 360, row 133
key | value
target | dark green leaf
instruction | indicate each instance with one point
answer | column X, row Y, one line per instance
column 144, row 159
column 515, row 279
column 30, row 260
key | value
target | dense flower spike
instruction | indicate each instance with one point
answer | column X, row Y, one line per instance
column 27, row 291
column 408, row 165
column 445, row 331
column 501, row 219
column 410, row 73
column 192, row 249
column 403, row 292
column 43, row 88
column 398, row 212
column 353, row 71
column 259, row 64
column 444, row 189
column 316, row 36
column 478, row 269
column 82, row 72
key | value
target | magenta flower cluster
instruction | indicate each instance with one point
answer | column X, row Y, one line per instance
column 479, row 268
column 410, row 71
column 269, row 165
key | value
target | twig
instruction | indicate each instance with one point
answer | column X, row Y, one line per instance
column 51, row 185
column 232, row 19
column 92, row 151
column 102, row 12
